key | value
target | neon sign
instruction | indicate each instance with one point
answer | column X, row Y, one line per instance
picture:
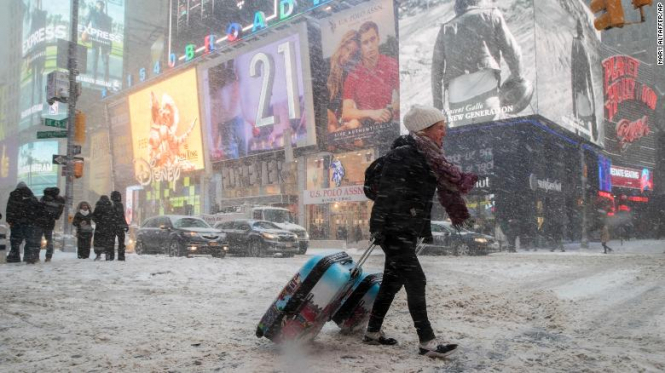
column 233, row 32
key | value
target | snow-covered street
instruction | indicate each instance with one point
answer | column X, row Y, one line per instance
column 523, row 312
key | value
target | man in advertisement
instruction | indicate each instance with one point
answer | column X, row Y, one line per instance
column 370, row 91
column 98, row 24
column 466, row 63
column 582, row 84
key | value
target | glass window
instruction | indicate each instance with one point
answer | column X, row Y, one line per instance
column 190, row 223
column 265, row 225
column 241, row 225
column 278, row 216
column 163, row 221
column 149, row 223
column 436, row 228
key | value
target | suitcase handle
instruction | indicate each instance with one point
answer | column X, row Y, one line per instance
column 355, row 271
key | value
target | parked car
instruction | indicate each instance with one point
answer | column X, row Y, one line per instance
column 258, row 238
column 179, row 235
column 449, row 241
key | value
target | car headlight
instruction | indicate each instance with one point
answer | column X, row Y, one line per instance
column 269, row 236
column 480, row 240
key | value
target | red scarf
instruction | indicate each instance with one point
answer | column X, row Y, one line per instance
column 451, row 182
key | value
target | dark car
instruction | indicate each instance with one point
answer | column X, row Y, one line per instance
column 449, row 241
column 180, row 236
column 258, row 238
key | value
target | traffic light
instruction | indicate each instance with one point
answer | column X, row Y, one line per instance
column 641, row 3
column 78, row 168
column 79, row 128
column 612, row 13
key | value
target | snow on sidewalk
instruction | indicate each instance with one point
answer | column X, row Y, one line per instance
column 522, row 312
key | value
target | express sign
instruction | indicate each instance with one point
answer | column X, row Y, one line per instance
column 632, row 178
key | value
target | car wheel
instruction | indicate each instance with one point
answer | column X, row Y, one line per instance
column 254, row 248
column 174, row 248
column 302, row 251
column 462, row 249
column 138, row 248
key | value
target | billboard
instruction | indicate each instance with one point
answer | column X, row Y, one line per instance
column 101, row 29
column 474, row 59
column 632, row 178
column 254, row 98
column 166, row 129
column 630, row 103
column 44, row 22
column 35, row 165
column 361, row 72
column 570, row 81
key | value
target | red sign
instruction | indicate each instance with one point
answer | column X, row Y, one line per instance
column 628, row 132
column 632, row 178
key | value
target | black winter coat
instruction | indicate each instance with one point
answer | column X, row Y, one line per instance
column 53, row 205
column 80, row 218
column 23, row 207
column 403, row 205
column 104, row 218
column 119, row 220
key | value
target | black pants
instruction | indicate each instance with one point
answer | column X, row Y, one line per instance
column 606, row 248
column 402, row 268
column 19, row 234
column 83, row 245
column 121, row 244
column 48, row 236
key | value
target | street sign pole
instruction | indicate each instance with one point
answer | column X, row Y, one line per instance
column 69, row 175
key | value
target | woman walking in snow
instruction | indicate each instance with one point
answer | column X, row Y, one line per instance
column 104, row 238
column 412, row 171
column 605, row 238
column 83, row 223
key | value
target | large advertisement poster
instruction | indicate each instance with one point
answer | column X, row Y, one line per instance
column 570, row 84
column 166, row 129
column 35, row 165
column 101, row 28
column 632, row 178
column 360, row 48
column 474, row 59
column 630, row 103
column 44, row 22
column 258, row 101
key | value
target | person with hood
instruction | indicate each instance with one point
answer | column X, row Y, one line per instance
column 83, row 223
column 466, row 62
column 104, row 237
column 52, row 204
column 412, row 171
column 22, row 210
column 120, row 223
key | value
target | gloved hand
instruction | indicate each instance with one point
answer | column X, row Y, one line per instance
column 126, row 229
column 378, row 238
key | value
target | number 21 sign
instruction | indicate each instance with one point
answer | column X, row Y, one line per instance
column 255, row 97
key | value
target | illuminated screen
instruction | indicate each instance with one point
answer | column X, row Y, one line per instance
column 44, row 22
column 166, row 129
column 35, row 165
column 101, row 29
column 255, row 97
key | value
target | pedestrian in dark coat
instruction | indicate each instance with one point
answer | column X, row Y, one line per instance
column 22, row 211
column 104, row 237
column 52, row 204
column 412, row 171
column 83, row 223
column 121, row 226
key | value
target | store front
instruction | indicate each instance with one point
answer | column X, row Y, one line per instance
column 518, row 192
column 335, row 204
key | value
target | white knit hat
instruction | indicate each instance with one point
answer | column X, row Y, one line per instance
column 421, row 117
